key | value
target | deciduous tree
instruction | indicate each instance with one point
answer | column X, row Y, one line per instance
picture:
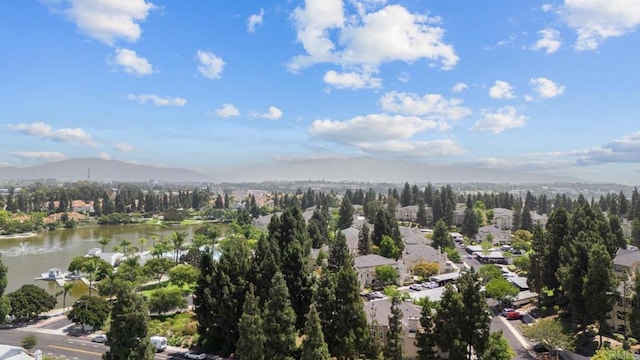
column 90, row 310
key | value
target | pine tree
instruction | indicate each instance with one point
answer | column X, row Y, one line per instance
column 251, row 340
column 441, row 238
column 349, row 319
column 393, row 347
column 324, row 299
column 447, row 323
column 425, row 339
column 279, row 322
column 470, row 223
column 405, row 197
column 557, row 230
column 265, row 266
column 364, row 240
column 202, row 298
column 535, row 276
column 475, row 328
column 128, row 334
column 599, row 285
column 313, row 346
column 339, row 252
column 421, row 216
column 346, row 213
column 634, row 313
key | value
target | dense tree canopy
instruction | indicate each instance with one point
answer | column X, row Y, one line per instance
column 30, row 301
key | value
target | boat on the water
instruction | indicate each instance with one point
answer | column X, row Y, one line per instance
column 52, row 274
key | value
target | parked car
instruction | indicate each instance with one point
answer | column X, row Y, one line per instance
column 416, row 287
column 514, row 315
column 505, row 311
column 102, row 338
column 430, row 285
column 195, row 354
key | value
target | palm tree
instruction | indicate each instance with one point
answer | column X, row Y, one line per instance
column 104, row 242
column 124, row 243
column 178, row 239
column 141, row 243
column 66, row 289
column 90, row 267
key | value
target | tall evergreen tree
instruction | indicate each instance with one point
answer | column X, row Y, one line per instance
column 470, row 223
column 634, row 312
column 128, row 333
column 557, row 230
column 437, row 208
column 346, row 212
column 393, row 348
column 535, row 276
column 385, row 224
column 526, row 223
column 251, row 335
column 615, row 224
column 293, row 242
column 426, row 339
column 339, row 252
column 475, row 329
column 265, row 266
column 441, row 238
column 279, row 322
column 447, row 324
column 405, row 198
column 421, row 216
column 313, row 346
column 349, row 318
column 599, row 286
column 324, row 299
column 364, row 240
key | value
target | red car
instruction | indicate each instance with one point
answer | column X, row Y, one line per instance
column 514, row 315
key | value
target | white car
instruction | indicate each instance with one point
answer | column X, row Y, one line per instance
column 505, row 311
column 102, row 338
column 416, row 287
column 194, row 354
column 430, row 285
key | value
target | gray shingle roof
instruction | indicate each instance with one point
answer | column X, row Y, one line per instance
column 372, row 260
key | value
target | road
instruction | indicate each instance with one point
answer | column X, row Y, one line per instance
column 70, row 347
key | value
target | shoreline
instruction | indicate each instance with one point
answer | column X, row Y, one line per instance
column 19, row 235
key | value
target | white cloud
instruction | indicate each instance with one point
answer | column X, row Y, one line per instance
column 496, row 122
column 597, row 20
column 39, row 155
column 624, row 150
column 549, row 41
column 430, row 105
column 45, row 131
column 132, row 63
column 403, row 77
column 368, row 38
column 546, row 88
column 351, row 80
column 370, row 128
column 122, row 147
column 415, row 149
column 503, row 42
column 528, row 98
column 105, row 20
column 501, row 90
column 103, row 155
column 210, row 65
column 546, row 7
column 272, row 114
column 254, row 20
column 227, row 110
column 459, row 87
column 157, row 100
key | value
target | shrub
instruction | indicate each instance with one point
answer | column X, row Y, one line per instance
column 619, row 337
column 632, row 340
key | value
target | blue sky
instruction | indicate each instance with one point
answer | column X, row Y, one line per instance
column 218, row 85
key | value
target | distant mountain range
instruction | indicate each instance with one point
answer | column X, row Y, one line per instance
column 356, row 170
column 101, row 170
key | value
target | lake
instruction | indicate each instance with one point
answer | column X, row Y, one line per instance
column 28, row 257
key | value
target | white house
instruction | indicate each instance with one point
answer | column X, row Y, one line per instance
column 366, row 268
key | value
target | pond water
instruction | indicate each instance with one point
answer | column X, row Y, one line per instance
column 28, row 257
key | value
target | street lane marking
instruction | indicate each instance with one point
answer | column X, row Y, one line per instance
column 76, row 350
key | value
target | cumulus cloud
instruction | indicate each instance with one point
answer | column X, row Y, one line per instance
column 157, row 100
column 368, row 38
column 370, row 128
column 546, row 7
column 105, row 20
column 103, row 155
column 122, row 147
column 625, row 150
column 210, row 66
column 39, row 155
column 549, row 41
column 430, row 105
column 227, row 110
column 459, row 87
column 501, row 90
column 131, row 63
column 415, row 149
column 254, row 20
column 272, row 114
column 351, row 80
column 546, row 88
column 503, row 119
column 596, row 20
column 45, row 131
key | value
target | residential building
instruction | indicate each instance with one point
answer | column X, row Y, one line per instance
column 262, row 222
column 366, row 268
column 378, row 313
column 503, row 218
column 499, row 237
column 8, row 352
column 625, row 265
column 407, row 213
column 414, row 254
column 352, row 236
